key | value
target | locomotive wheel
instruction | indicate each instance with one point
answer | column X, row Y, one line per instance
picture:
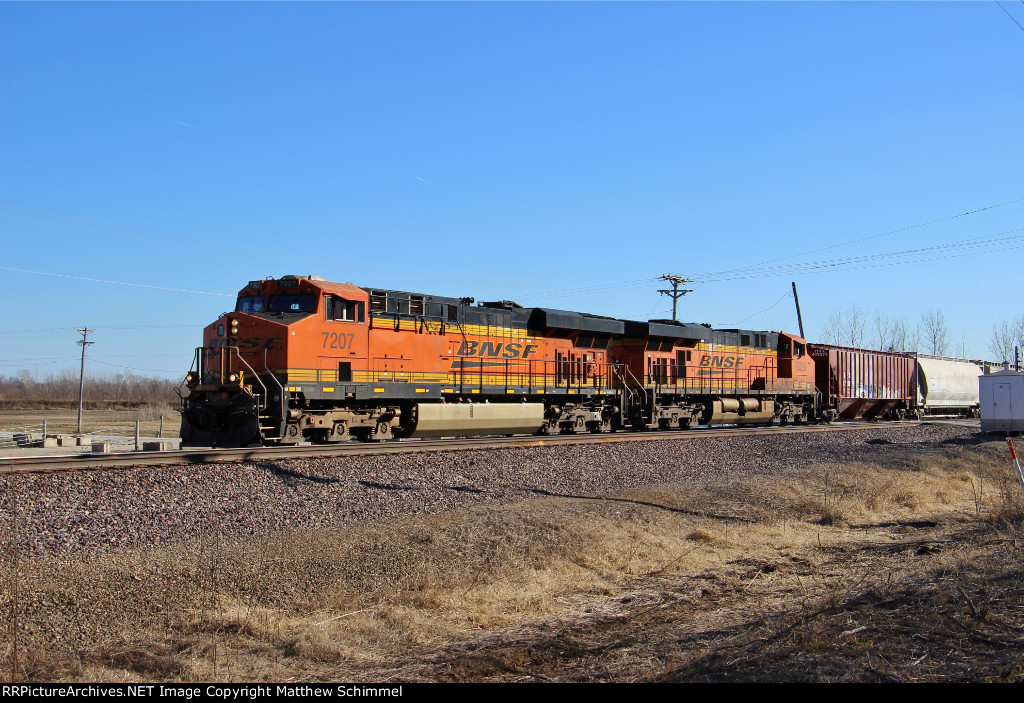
column 320, row 436
column 573, row 426
column 364, row 434
column 548, row 428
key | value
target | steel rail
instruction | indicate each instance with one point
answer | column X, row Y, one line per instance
column 199, row 455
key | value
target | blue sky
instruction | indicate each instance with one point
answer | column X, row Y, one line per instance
column 557, row 154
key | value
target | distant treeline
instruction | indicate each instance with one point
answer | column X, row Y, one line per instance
column 126, row 388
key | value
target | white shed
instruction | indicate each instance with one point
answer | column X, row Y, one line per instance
column 1002, row 401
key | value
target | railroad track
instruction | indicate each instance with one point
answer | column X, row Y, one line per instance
column 128, row 460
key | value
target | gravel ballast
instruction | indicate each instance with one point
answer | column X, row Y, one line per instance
column 102, row 511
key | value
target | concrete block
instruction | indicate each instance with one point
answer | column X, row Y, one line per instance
column 65, row 441
column 101, row 447
column 161, row 446
column 47, row 443
column 84, row 441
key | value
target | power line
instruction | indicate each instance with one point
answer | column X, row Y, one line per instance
column 134, row 368
column 33, row 362
column 624, row 286
column 1010, row 16
column 788, row 294
column 753, row 269
column 116, row 283
column 99, row 327
column 151, row 236
column 134, row 233
column 988, row 243
column 874, row 236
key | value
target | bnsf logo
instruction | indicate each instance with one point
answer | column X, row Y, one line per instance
column 726, row 362
column 512, row 350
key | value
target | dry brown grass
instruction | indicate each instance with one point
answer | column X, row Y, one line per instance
column 724, row 573
column 65, row 421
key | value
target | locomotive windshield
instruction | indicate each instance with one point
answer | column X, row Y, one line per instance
column 292, row 303
column 249, row 303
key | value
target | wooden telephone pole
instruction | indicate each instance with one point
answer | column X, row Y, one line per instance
column 799, row 317
column 81, row 379
column 675, row 293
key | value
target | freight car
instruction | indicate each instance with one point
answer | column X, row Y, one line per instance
column 303, row 359
column 947, row 386
column 863, row 384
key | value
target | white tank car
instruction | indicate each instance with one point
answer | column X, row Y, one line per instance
column 948, row 386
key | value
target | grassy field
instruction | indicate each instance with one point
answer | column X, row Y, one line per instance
column 65, row 420
column 908, row 571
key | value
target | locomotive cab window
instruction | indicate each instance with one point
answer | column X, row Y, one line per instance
column 340, row 310
column 292, row 303
column 249, row 303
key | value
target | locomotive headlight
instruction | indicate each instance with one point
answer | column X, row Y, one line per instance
column 189, row 378
column 233, row 378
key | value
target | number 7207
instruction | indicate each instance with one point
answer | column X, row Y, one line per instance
column 334, row 340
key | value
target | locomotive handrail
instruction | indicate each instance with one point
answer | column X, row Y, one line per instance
column 199, row 370
column 461, row 331
column 266, row 393
column 425, row 322
column 282, row 394
column 626, row 387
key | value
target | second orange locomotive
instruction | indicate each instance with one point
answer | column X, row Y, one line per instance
column 303, row 359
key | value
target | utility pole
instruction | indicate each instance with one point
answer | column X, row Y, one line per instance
column 675, row 293
column 81, row 379
column 799, row 318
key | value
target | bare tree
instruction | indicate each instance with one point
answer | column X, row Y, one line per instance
column 893, row 333
column 857, row 323
column 846, row 327
column 849, row 327
column 831, row 332
column 26, row 384
column 961, row 346
column 1001, row 342
column 934, row 332
column 1018, row 329
column 1005, row 336
column 883, row 331
column 904, row 337
column 63, row 387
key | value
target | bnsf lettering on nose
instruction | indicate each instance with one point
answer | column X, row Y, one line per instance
column 498, row 350
column 725, row 362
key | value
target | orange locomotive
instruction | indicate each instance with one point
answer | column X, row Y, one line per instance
column 302, row 359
